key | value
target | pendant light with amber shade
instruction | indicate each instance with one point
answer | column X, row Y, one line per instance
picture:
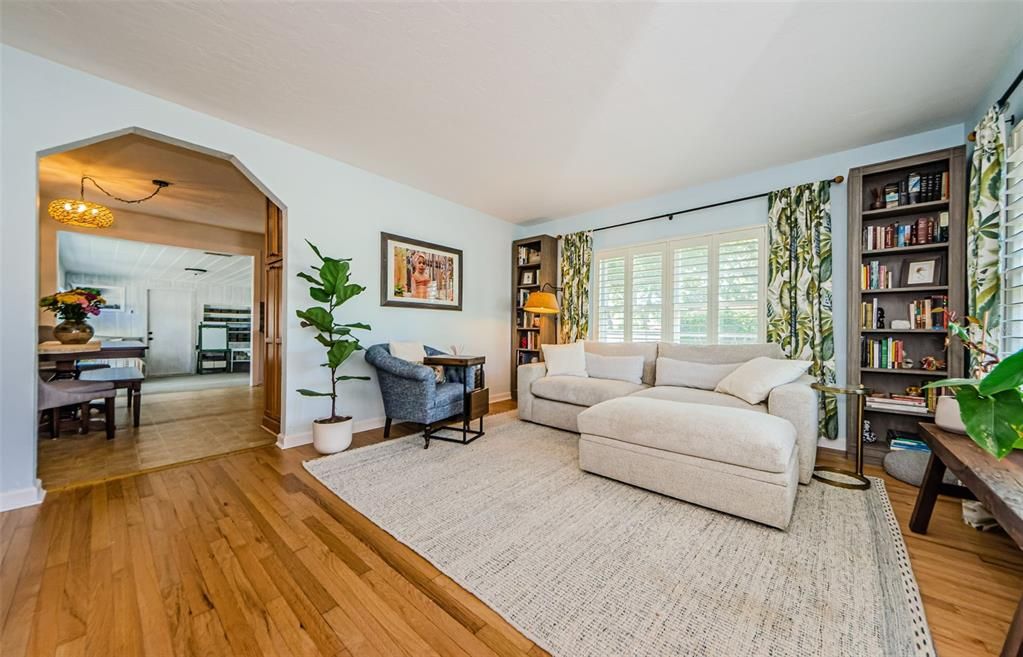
column 79, row 212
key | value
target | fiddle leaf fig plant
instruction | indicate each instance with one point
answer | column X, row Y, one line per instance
column 991, row 403
column 330, row 285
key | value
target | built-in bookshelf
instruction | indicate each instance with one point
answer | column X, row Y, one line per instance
column 906, row 267
column 534, row 264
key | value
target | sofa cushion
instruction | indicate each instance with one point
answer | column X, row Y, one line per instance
column 648, row 350
column 582, row 391
column 565, row 359
column 753, row 381
column 718, row 353
column 616, row 368
column 706, row 376
column 727, row 435
column 695, row 396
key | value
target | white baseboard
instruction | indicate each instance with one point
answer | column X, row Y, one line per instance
column 306, row 437
column 29, row 496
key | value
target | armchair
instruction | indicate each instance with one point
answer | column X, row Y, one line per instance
column 410, row 390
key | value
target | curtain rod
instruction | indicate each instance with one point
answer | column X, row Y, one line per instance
column 671, row 215
column 1003, row 102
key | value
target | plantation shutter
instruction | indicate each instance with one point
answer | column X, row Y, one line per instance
column 611, row 299
column 738, row 293
column 647, row 288
column 690, row 284
column 1012, row 247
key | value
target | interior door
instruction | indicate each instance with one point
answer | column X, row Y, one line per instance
column 169, row 318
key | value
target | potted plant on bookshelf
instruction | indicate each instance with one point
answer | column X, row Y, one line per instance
column 73, row 307
column 329, row 285
column 989, row 406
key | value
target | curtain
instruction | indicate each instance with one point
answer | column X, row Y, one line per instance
column 576, row 254
column 799, row 307
column 984, row 223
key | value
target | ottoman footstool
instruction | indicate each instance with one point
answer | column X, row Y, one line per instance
column 740, row 462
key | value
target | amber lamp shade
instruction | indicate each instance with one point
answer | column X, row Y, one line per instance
column 541, row 303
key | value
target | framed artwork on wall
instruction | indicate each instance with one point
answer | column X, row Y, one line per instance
column 114, row 296
column 417, row 274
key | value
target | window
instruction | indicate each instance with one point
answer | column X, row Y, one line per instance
column 1012, row 247
column 701, row 290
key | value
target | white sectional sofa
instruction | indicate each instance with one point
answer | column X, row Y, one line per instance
column 680, row 440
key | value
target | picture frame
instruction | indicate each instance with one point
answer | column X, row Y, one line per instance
column 527, row 278
column 921, row 271
column 418, row 274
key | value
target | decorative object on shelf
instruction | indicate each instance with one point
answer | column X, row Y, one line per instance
column 901, row 324
column 868, row 435
column 984, row 269
column 329, row 284
column 907, row 363
column 921, row 271
column 913, row 391
column 878, row 199
column 880, row 318
column 542, row 302
column 417, row 274
column 860, row 482
column 79, row 212
column 576, row 255
column 527, row 278
column 73, row 307
column 930, row 363
column 990, row 405
column 799, row 303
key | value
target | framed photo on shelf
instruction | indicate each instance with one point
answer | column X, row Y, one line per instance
column 417, row 274
column 920, row 271
column 527, row 278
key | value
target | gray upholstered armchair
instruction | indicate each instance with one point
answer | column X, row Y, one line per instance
column 410, row 390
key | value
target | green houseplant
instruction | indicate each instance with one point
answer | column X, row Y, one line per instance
column 330, row 285
column 990, row 403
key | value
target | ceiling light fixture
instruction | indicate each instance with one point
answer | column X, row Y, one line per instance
column 196, row 270
column 79, row 212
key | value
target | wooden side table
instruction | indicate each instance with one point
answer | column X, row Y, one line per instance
column 475, row 400
column 997, row 484
column 860, row 482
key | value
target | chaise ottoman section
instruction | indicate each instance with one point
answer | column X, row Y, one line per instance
column 736, row 461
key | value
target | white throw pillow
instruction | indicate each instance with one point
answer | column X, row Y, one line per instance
column 415, row 352
column 754, row 380
column 565, row 359
column 615, row 368
column 705, row 376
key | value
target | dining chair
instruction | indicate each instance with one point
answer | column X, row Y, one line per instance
column 55, row 395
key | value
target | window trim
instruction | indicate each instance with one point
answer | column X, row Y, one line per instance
column 666, row 248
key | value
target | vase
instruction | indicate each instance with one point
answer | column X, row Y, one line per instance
column 946, row 415
column 332, row 436
column 72, row 331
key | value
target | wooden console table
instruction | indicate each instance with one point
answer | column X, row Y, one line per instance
column 475, row 398
column 997, row 484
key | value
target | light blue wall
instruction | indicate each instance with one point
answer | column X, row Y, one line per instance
column 1008, row 73
column 752, row 213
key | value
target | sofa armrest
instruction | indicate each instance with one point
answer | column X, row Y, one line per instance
column 526, row 375
column 797, row 403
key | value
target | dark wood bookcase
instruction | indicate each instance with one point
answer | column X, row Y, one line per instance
column 895, row 300
column 534, row 262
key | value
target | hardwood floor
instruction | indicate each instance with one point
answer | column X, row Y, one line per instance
column 247, row 554
column 174, row 427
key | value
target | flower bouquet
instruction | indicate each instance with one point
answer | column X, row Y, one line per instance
column 73, row 307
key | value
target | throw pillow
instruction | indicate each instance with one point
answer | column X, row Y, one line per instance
column 615, row 368
column 671, row 372
column 415, row 352
column 754, row 380
column 565, row 359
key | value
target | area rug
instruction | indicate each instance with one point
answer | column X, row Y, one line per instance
column 585, row 566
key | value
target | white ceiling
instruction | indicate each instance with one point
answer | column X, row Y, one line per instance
column 204, row 189
column 536, row 110
column 103, row 256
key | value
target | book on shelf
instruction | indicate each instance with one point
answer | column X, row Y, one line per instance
column 885, row 353
column 525, row 357
column 908, row 445
column 529, row 340
column 916, row 188
column 885, row 403
column 914, row 232
column 929, row 313
column 528, row 256
column 523, row 295
column 875, row 276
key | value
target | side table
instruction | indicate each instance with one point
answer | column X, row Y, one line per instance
column 860, row 482
column 475, row 399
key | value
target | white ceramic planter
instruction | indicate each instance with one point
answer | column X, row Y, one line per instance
column 332, row 437
column 946, row 415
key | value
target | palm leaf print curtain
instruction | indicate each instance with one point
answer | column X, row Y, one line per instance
column 799, row 309
column 576, row 254
column 984, row 222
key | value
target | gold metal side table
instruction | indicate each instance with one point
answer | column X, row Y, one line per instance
column 860, row 482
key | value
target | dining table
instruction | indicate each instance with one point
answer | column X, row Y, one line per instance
column 66, row 356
